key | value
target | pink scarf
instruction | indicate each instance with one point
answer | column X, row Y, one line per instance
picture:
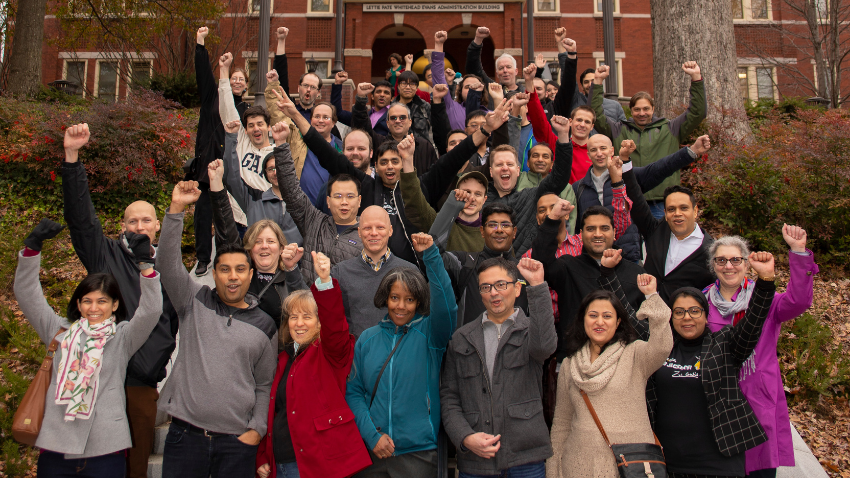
column 79, row 368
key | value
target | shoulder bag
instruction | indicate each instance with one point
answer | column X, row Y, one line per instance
column 26, row 423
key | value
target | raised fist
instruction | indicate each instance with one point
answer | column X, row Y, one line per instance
column 232, row 126
column 615, row 169
column 795, row 237
column 364, row 89
column 691, row 68
column 201, row 35
column 185, row 193
column 440, row 91
column 561, row 210
column 627, row 147
column 463, row 196
column 560, row 34
column 272, row 76
column 647, row 283
column 215, row 171
column 602, row 72
column 520, row 99
column 701, row 145
column 321, row 265
column 44, row 230
column 762, row 263
column 340, row 77
column 611, row 257
column 408, row 59
column 481, row 34
column 406, row 147
column 496, row 92
column 225, row 60
column 140, row 245
column 421, row 241
column 561, row 125
column 282, row 33
column 569, row 44
column 441, row 37
column 531, row 270
column 280, row 132
column 290, row 255
column 529, row 72
column 450, row 74
column 76, row 136
column 476, row 85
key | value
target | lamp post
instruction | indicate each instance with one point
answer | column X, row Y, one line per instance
column 611, row 88
column 340, row 37
column 262, row 54
column 312, row 64
column 554, row 67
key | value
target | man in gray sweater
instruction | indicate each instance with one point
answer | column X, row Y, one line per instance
column 218, row 390
column 360, row 276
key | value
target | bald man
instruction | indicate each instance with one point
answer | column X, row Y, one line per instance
column 99, row 253
column 360, row 276
column 595, row 188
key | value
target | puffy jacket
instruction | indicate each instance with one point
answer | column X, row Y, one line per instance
column 99, row 253
column 406, row 409
column 660, row 138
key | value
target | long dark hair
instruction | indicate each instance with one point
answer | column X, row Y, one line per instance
column 100, row 282
column 577, row 336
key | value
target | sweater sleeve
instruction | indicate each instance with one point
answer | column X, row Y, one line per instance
column 540, row 125
column 263, row 376
column 147, row 314
column 443, row 313
column 337, row 343
column 562, row 421
column 233, row 172
column 298, row 205
column 441, row 226
column 542, row 337
column 225, row 224
column 746, row 333
column 416, row 208
column 31, row 299
column 226, row 106
column 651, row 354
column 609, row 281
column 169, row 263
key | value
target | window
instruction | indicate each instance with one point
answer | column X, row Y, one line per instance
column 752, row 10
column 107, row 80
column 764, row 82
column 743, row 84
column 597, row 6
column 75, row 72
column 320, row 6
column 254, row 6
column 140, row 71
column 546, row 6
column 757, row 82
column 253, row 76
column 322, row 69
column 619, row 63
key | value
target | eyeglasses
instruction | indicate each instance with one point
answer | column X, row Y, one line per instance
column 498, row 285
column 408, row 83
column 398, row 118
column 350, row 197
column 309, row 87
column 695, row 312
column 493, row 225
column 736, row 261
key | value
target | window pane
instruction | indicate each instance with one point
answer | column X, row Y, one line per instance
column 76, row 74
column 322, row 70
column 546, row 5
column 743, row 84
column 738, row 9
column 320, row 5
column 759, row 9
column 107, row 82
column 141, row 72
column 251, row 66
column 765, row 82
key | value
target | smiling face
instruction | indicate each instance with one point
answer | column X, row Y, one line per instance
column 582, row 123
column 506, row 72
column 498, row 232
column 455, row 140
column 475, row 124
column 401, row 124
column 586, row 82
column 322, row 119
column 597, row 235
column 499, row 303
column 266, row 251
column 642, row 112
column 685, row 325
column 271, row 171
column 478, row 193
column 375, row 230
column 303, row 326
column 540, row 160
column 540, row 88
column 401, row 305
column 308, row 91
column 407, row 89
column 600, row 150
column 600, row 322
column 730, row 275
column 388, row 168
column 551, row 91
column 504, row 170
column 680, row 214
column 140, row 218
column 96, row 307
column 232, row 276
column 258, row 131
column 544, row 207
column 238, row 83
column 344, row 202
column 356, row 149
column 381, row 97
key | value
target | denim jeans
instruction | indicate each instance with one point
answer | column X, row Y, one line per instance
column 657, row 209
column 287, row 470
column 54, row 465
column 190, row 454
column 529, row 470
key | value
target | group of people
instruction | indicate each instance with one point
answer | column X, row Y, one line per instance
column 460, row 274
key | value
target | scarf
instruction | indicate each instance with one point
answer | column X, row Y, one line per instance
column 79, row 368
column 736, row 307
column 594, row 376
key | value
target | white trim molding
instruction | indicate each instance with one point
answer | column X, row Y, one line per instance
column 358, row 52
column 510, row 51
column 766, row 62
column 106, row 55
column 617, row 54
column 319, row 55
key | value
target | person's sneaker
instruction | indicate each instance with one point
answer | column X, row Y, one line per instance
column 201, row 268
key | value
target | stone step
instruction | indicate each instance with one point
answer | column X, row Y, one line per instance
column 159, row 438
column 155, row 466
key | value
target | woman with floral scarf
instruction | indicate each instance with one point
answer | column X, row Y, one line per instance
column 85, row 429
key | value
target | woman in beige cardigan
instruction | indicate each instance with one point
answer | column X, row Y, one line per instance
column 606, row 360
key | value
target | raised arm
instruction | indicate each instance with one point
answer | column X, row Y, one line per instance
column 798, row 294
column 684, row 124
column 473, row 55
column 542, row 337
column 620, row 201
column 641, row 215
column 204, row 77
column 342, row 114
column 147, row 314
column 544, row 248
column 568, row 60
column 651, row 354
column 603, row 125
column 443, row 312
column 337, row 342
column 223, row 220
column 440, row 118
column 169, row 258
column 746, row 333
column 232, row 170
column 226, row 104
column 281, row 63
column 609, row 281
column 540, row 126
column 655, row 173
column 559, row 178
column 416, row 208
column 360, row 114
column 441, row 225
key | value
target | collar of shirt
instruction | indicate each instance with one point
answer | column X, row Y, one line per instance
column 485, row 320
column 376, row 266
column 681, row 249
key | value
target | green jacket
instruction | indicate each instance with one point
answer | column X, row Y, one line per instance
column 527, row 179
column 658, row 139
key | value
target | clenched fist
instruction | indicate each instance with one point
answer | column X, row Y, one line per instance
column 691, row 68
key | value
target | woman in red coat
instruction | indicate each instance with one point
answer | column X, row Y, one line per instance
column 311, row 430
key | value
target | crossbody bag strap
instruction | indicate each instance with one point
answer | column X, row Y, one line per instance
column 271, row 282
column 595, row 418
column 384, row 367
column 54, row 344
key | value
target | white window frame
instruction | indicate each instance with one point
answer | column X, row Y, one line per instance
column 96, row 92
column 85, row 71
column 132, row 63
column 747, row 6
column 598, row 12
column 555, row 12
column 619, row 62
column 329, row 62
column 311, row 13
column 752, row 81
column 250, row 7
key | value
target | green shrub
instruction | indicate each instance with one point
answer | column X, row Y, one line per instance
column 180, row 87
column 818, row 366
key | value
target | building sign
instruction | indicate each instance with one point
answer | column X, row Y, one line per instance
column 431, row 7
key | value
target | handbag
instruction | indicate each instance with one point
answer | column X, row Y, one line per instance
column 26, row 423
column 644, row 460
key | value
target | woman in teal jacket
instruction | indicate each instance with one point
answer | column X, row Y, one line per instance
column 394, row 385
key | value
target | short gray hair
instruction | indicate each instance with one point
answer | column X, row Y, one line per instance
column 506, row 56
column 732, row 241
column 415, row 283
column 399, row 103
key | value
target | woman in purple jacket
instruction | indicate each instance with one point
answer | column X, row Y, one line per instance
column 760, row 378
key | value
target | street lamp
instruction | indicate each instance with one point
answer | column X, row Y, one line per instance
column 553, row 70
column 312, row 64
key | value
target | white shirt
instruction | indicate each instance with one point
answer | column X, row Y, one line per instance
column 680, row 250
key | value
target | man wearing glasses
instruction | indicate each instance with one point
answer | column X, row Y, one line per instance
column 420, row 110
column 498, row 228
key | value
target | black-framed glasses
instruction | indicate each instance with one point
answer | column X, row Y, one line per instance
column 493, row 225
column 408, row 83
column 695, row 312
column 736, row 261
column 309, row 87
column 498, row 285
column 397, row 118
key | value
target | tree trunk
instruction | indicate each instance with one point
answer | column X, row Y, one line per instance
column 703, row 32
column 25, row 59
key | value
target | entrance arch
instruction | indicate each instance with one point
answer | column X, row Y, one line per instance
column 395, row 39
column 457, row 43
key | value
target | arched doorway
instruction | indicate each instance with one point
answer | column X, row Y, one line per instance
column 457, row 43
column 396, row 39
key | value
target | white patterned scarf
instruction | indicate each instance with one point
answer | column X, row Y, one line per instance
column 79, row 368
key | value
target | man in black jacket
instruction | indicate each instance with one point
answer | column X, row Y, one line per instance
column 676, row 247
column 99, row 253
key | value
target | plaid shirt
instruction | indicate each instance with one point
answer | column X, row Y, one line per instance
column 376, row 266
column 736, row 428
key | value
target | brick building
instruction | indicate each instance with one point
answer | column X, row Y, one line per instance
column 374, row 29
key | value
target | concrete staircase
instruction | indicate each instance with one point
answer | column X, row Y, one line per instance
column 155, row 460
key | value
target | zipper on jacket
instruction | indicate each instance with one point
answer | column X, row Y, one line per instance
column 390, row 401
column 229, row 320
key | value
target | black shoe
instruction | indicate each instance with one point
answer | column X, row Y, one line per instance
column 201, row 268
